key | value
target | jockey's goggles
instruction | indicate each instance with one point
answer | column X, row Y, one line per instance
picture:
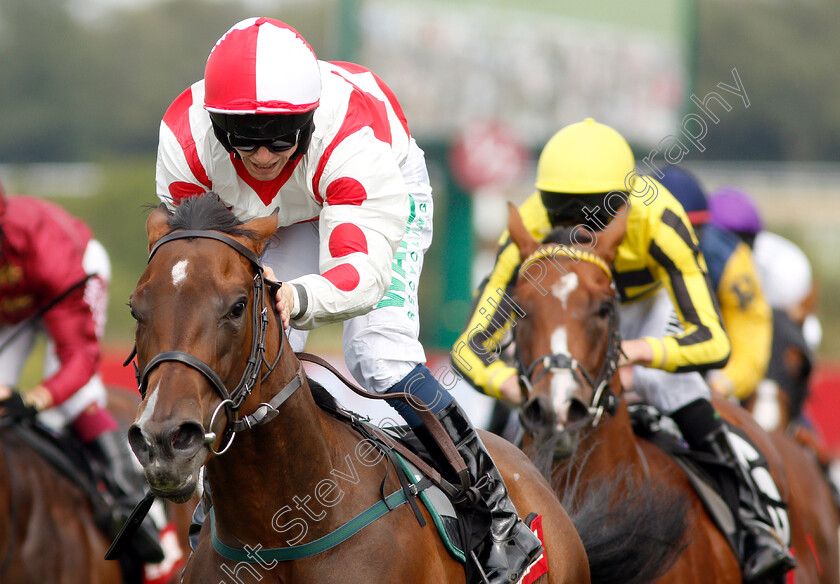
column 590, row 210
column 279, row 144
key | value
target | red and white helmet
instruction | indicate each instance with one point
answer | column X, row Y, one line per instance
column 261, row 66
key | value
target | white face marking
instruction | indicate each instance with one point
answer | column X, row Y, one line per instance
column 179, row 272
column 564, row 287
column 562, row 382
column 149, row 410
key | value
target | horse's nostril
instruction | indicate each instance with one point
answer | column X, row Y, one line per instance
column 188, row 438
column 535, row 414
column 577, row 411
column 138, row 444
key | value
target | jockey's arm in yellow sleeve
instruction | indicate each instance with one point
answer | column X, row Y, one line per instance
column 749, row 322
column 476, row 353
column 675, row 260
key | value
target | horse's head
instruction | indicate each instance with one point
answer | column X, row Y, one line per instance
column 567, row 342
column 204, row 323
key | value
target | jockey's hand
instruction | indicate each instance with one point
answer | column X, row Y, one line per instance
column 720, row 384
column 285, row 299
column 625, row 374
column 635, row 352
column 285, row 304
column 39, row 397
column 510, row 391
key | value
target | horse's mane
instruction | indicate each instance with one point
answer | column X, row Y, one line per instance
column 207, row 212
column 322, row 397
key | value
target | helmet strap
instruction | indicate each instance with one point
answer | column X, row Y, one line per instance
column 304, row 138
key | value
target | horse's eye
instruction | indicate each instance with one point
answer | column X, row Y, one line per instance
column 605, row 309
column 238, row 309
column 134, row 314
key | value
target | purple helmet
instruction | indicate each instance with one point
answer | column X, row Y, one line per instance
column 735, row 210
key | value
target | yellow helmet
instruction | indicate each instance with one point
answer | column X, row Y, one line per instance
column 585, row 157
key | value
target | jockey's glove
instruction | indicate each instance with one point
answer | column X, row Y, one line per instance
column 15, row 408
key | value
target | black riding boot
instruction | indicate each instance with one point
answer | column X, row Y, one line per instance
column 125, row 486
column 510, row 546
column 765, row 557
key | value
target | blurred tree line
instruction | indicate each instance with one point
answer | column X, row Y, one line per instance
column 785, row 53
column 81, row 89
column 75, row 88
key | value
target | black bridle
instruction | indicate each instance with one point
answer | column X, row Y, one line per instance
column 603, row 399
column 231, row 400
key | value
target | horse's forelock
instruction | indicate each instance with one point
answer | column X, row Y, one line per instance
column 207, row 212
column 563, row 236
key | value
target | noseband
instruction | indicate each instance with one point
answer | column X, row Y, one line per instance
column 231, row 400
column 603, row 399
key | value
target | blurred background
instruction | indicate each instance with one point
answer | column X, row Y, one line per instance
column 484, row 84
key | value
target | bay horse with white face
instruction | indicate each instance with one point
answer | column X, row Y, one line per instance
column 224, row 391
column 568, row 347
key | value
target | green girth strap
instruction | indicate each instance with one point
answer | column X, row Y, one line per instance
column 312, row 548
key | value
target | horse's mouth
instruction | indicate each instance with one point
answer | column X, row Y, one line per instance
column 179, row 493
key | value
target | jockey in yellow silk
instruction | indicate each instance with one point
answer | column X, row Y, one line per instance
column 746, row 314
column 672, row 331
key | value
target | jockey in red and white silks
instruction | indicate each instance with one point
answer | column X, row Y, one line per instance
column 359, row 195
column 327, row 146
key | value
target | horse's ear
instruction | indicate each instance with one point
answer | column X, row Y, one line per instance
column 609, row 240
column 264, row 228
column 157, row 225
column 519, row 234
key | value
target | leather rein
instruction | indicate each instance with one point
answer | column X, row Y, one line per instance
column 233, row 400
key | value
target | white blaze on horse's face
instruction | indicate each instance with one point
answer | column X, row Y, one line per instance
column 564, row 287
column 179, row 272
column 149, row 410
column 563, row 383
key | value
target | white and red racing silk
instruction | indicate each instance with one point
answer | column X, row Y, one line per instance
column 42, row 256
column 349, row 180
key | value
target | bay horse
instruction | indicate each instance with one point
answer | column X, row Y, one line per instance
column 808, row 459
column 223, row 390
column 48, row 532
column 569, row 339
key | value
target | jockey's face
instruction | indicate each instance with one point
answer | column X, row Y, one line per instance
column 265, row 165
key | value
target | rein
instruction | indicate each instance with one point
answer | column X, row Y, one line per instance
column 603, row 398
column 231, row 400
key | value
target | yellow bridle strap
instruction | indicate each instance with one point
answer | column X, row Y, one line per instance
column 550, row 252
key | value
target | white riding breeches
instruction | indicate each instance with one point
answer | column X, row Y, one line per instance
column 16, row 353
column 382, row 346
column 655, row 316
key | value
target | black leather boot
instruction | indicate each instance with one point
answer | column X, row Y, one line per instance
column 764, row 556
column 125, row 486
column 510, row 547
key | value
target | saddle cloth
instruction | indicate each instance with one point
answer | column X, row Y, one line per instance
column 653, row 425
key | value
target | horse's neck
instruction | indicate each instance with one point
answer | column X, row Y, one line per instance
column 275, row 473
column 609, row 445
